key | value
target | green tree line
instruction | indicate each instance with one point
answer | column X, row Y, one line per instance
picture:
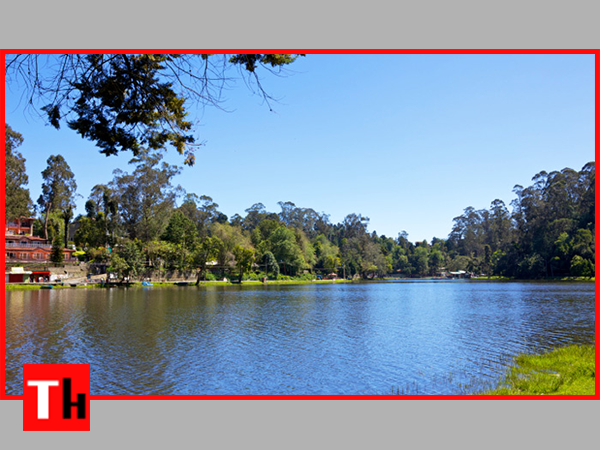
column 140, row 221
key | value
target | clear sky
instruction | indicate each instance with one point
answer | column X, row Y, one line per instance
column 409, row 141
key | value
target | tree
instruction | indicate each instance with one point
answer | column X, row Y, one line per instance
column 204, row 252
column 106, row 201
column 254, row 215
column 286, row 250
column 56, row 253
column 128, row 261
column 581, row 267
column 90, row 233
column 244, row 257
column 270, row 262
column 17, row 202
column 145, row 197
column 67, row 215
column 420, row 260
column 180, row 230
column 202, row 211
column 58, row 190
column 327, row 254
column 229, row 237
column 126, row 102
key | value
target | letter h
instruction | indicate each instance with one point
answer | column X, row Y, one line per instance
column 68, row 404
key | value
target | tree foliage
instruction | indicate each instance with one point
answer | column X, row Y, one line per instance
column 127, row 102
column 135, row 224
column 146, row 196
column 17, row 202
column 56, row 253
column 59, row 190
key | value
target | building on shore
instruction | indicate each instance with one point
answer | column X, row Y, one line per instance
column 21, row 246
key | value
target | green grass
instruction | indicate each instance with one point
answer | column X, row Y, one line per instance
column 21, row 287
column 138, row 284
column 564, row 371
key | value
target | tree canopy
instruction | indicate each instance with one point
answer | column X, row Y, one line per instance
column 128, row 102
column 17, row 201
column 138, row 223
column 59, row 190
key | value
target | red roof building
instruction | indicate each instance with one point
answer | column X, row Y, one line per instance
column 21, row 246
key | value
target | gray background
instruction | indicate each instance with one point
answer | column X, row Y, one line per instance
column 305, row 25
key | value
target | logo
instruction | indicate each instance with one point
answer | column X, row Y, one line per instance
column 56, row 397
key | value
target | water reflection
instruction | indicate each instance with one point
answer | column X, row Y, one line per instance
column 370, row 338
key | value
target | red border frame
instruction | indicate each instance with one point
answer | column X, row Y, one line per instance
column 595, row 52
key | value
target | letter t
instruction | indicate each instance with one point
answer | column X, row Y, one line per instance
column 43, row 396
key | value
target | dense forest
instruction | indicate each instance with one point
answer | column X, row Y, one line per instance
column 140, row 222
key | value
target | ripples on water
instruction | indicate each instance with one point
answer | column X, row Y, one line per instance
column 414, row 337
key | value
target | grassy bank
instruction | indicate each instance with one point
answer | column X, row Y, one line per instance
column 29, row 287
column 564, row 371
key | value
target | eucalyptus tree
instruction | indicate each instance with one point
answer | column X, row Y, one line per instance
column 59, row 191
column 146, row 197
column 254, row 215
column 17, row 202
column 104, row 201
column 202, row 211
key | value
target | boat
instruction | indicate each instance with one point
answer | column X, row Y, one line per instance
column 48, row 286
column 146, row 284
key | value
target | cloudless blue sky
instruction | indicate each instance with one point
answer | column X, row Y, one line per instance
column 409, row 141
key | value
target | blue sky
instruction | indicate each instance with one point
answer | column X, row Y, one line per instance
column 406, row 140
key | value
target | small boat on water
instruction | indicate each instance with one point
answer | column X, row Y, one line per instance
column 147, row 284
column 49, row 286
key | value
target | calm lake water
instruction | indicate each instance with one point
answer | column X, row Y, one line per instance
column 411, row 337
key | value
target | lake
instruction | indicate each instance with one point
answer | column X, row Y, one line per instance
column 407, row 337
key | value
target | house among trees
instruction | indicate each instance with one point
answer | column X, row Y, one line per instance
column 21, row 246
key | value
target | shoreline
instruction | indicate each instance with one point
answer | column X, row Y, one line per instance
column 138, row 284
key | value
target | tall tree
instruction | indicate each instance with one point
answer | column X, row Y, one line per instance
column 58, row 190
column 107, row 203
column 146, row 197
column 17, row 202
column 202, row 211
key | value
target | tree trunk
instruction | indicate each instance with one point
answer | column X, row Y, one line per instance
column 48, row 206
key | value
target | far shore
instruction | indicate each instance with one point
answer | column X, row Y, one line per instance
column 81, row 284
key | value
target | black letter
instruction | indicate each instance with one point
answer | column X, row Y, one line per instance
column 67, row 403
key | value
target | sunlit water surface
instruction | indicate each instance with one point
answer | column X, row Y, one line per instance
column 414, row 337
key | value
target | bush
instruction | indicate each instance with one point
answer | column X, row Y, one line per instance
column 211, row 277
column 252, row 276
column 581, row 267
